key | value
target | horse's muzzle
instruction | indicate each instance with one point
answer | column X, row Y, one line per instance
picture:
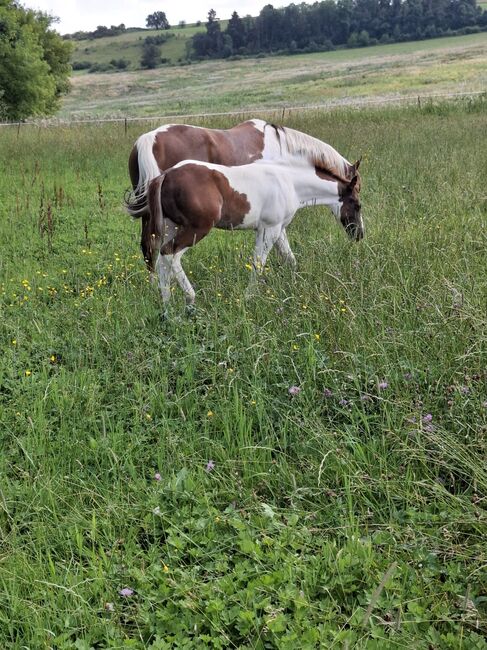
column 355, row 231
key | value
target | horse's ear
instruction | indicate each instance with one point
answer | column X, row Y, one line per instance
column 353, row 182
column 357, row 164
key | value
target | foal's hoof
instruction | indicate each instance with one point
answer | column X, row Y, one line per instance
column 191, row 310
column 165, row 315
column 250, row 292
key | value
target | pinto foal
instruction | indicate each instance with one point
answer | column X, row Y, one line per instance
column 188, row 200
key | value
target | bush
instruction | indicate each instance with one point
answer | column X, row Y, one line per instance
column 101, row 67
column 81, row 65
column 120, row 64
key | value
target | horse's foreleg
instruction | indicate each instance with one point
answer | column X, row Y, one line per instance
column 265, row 240
column 284, row 250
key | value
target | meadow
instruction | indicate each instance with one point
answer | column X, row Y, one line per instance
column 305, row 469
column 385, row 72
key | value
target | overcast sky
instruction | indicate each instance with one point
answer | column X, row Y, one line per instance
column 86, row 15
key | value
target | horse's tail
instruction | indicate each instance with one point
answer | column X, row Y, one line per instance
column 153, row 227
column 143, row 168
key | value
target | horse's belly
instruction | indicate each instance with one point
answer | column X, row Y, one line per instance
column 250, row 221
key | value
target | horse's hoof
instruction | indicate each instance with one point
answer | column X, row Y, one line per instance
column 190, row 310
column 165, row 316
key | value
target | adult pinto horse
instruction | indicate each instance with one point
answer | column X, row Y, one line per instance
column 158, row 150
column 185, row 202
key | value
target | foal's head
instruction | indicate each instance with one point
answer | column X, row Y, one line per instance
column 348, row 210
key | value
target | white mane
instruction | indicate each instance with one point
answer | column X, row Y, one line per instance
column 316, row 151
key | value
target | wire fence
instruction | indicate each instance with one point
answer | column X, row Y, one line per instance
column 281, row 111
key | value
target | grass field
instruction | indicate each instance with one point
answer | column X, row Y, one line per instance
column 455, row 64
column 162, row 488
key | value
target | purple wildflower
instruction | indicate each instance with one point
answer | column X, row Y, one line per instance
column 343, row 402
column 427, row 418
column 126, row 592
column 365, row 398
column 465, row 390
column 383, row 385
column 327, row 392
column 408, row 376
column 157, row 476
column 294, row 390
column 210, row 466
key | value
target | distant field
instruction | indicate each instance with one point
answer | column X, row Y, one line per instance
column 455, row 64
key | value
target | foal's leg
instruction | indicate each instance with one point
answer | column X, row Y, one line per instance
column 174, row 250
column 265, row 240
column 164, row 269
column 163, row 264
column 284, row 250
column 182, row 278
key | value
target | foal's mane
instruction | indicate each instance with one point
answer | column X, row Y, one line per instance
column 318, row 153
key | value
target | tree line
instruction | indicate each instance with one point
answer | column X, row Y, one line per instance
column 325, row 25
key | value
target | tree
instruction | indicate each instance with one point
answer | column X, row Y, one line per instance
column 151, row 56
column 236, row 30
column 35, row 69
column 214, row 34
column 157, row 20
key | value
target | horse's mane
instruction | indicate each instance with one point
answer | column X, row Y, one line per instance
column 316, row 152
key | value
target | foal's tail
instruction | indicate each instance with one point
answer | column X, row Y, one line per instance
column 153, row 226
column 143, row 168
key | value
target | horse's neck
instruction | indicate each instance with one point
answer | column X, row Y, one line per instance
column 311, row 189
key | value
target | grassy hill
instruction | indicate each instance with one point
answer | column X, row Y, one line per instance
column 129, row 46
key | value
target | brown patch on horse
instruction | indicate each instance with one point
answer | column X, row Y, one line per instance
column 238, row 146
column 196, row 199
column 235, row 205
column 326, row 175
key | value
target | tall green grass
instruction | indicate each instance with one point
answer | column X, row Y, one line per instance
column 351, row 514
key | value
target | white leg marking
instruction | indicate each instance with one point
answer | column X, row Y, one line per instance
column 284, row 250
column 265, row 240
column 182, row 278
column 164, row 269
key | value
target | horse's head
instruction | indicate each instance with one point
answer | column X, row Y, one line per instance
column 348, row 209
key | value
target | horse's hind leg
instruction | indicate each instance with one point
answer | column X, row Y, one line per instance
column 164, row 261
column 175, row 248
column 182, row 278
column 164, row 270
column 284, row 250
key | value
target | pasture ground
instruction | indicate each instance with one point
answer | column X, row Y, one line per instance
column 350, row 515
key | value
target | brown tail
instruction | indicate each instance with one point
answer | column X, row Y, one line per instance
column 153, row 224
